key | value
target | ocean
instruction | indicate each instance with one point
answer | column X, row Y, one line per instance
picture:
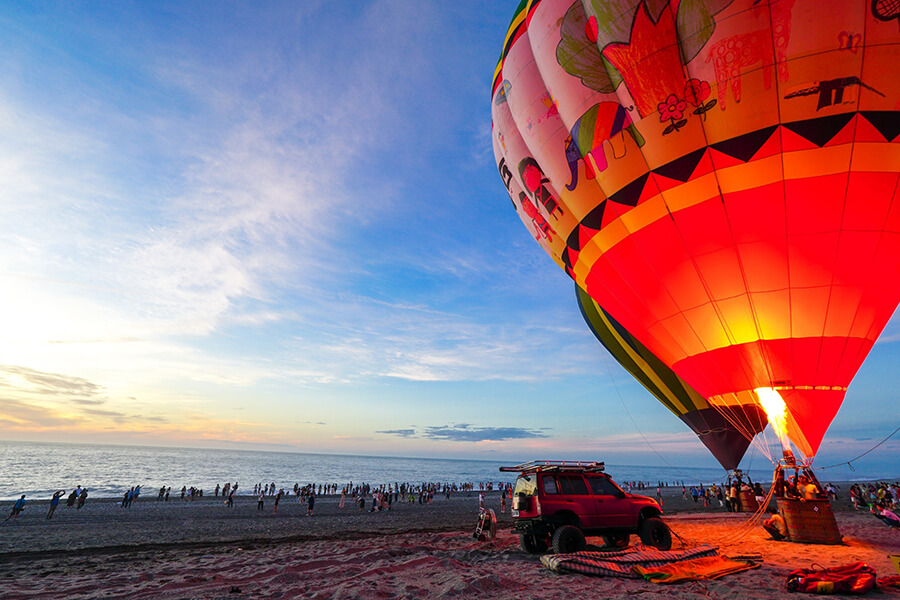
column 38, row 469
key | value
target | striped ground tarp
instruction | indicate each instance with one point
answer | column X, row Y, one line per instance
column 621, row 563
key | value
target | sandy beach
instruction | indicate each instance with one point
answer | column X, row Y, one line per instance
column 204, row 550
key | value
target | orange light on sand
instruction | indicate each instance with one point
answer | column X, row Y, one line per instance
column 775, row 408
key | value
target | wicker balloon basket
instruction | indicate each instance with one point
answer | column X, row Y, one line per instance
column 748, row 501
column 809, row 521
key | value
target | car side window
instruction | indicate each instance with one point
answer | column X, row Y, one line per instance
column 550, row 485
column 572, row 485
column 601, row 486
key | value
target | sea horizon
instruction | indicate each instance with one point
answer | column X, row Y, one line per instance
column 37, row 469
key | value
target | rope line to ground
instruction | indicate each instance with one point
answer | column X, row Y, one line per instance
column 627, row 412
column 738, row 533
column 848, row 463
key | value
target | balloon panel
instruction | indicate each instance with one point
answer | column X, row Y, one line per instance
column 728, row 176
column 726, row 436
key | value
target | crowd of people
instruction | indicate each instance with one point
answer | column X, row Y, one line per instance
column 364, row 496
column 881, row 498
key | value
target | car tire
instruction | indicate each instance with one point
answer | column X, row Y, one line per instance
column 568, row 538
column 655, row 533
column 616, row 540
column 532, row 544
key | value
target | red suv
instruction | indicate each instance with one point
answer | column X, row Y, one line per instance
column 557, row 503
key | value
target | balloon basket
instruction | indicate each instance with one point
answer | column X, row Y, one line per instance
column 748, row 501
column 809, row 521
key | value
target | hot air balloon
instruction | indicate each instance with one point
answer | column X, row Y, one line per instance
column 721, row 176
column 726, row 439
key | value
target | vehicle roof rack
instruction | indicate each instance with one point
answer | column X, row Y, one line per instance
column 534, row 466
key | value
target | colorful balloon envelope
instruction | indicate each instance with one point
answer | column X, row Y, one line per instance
column 726, row 437
column 721, row 176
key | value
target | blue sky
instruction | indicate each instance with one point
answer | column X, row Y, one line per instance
column 280, row 225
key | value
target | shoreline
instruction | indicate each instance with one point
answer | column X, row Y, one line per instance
column 103, row 525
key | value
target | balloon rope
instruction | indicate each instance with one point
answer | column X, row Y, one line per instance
column 738, row 533
column 675, row 469
column 863, row 454
column 627, row 412
column 734, row 419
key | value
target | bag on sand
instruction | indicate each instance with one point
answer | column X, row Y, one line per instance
column 855, row 578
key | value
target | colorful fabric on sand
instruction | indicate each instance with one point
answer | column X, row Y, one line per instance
column 854, row 578
column 889, row 581
column 707, row 567
column 621, row 563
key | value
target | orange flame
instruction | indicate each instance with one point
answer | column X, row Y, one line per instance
column 773, row 404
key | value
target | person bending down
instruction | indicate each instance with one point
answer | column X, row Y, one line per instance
column 17, row 508
column 775, row 525
column 889, row 517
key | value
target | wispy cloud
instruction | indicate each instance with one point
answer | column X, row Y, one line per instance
column 26, row 380
column 404, row 433
column 465, row 432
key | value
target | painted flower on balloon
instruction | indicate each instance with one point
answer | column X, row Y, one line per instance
column 696, row 92
column 672, row 110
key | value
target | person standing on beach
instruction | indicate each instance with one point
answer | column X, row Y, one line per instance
column 310, row 502
column 343, row 498
column 18, row 507
column 82, row 498
column 260, row 500
column 278, row 499
column 54, row 502
column 70, row 501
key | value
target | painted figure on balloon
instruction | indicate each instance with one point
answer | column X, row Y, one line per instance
column 536, row 182
column 541, row 225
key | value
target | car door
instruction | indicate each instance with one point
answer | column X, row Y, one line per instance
column 577, row 496
column 611, row 507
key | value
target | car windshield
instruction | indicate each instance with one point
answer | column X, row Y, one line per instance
column 526, row 485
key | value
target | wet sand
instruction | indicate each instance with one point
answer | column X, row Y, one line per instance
column 204, row 550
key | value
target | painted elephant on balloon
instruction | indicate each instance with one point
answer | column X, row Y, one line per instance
column 585, row 141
